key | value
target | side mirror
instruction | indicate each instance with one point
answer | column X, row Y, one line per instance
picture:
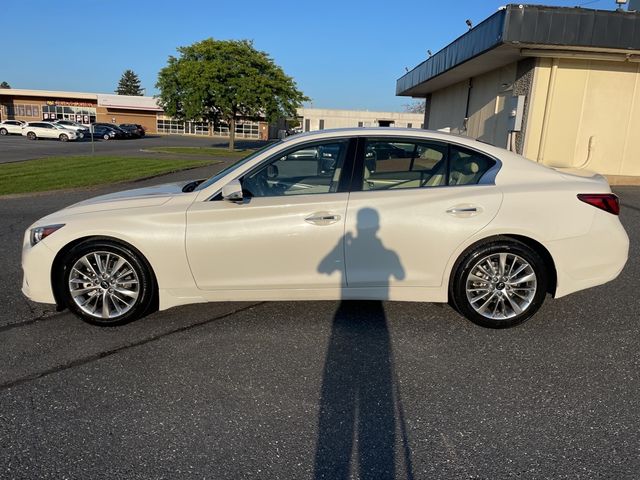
column 232, row 191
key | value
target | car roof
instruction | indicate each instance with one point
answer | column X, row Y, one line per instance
column 396, row 132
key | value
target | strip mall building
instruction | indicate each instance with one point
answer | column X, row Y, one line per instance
column 34, row 105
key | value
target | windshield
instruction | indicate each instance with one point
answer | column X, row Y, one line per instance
column 233, row 166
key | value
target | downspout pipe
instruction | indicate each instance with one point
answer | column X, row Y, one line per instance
column 466, row 109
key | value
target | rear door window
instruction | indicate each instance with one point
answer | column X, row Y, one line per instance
column 466, row 167
column 391, row 164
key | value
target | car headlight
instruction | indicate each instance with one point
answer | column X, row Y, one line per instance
column 40, row 233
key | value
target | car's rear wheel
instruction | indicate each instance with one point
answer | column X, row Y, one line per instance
column 106, row 283
column 31, row 136
column 3, row 131
column 64, row 138
column 500, row 284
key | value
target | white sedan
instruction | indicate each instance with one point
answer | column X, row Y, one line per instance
column 35, row 130
column 354, row 214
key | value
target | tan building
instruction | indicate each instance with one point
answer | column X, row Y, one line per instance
column 559, row 85
column 86, row 108
column 322, row 118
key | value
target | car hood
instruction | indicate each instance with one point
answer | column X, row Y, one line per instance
column 139, row 197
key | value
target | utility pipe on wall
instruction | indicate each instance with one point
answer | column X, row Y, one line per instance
column 547, row 110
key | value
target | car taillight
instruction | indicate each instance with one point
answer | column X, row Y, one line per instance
column 604, row 201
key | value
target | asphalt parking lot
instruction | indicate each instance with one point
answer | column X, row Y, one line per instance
column 14, row 148
column 310, row 390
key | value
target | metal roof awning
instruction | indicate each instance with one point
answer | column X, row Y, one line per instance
column 499, row 39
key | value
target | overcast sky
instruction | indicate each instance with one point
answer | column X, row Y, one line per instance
column 343, row 54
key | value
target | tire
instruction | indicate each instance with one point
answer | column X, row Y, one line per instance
column 31, row 136
column 3, row 131
column 499, row 284
column 128, row 296
column 106, row 136
column 64, row 138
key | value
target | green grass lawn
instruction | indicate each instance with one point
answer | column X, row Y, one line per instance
column 68, row 172
column 213, row 151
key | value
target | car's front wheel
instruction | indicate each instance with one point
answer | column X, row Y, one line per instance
column 3, row 131
column 106, row 136
column 31, row 136
column 106, row 283
column 64, row 138
column 500, row 284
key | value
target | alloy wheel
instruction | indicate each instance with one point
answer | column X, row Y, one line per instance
column 104, row 285
column 501, row 286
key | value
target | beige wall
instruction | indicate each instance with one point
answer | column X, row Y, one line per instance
column 592, row 115
column 349, row 118
column 448, row 106
column 488, row 117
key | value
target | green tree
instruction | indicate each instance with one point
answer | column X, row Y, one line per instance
column 5, row 85
column 219, row 80
column 129, row 84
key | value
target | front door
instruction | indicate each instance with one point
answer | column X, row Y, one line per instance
column 287, row 233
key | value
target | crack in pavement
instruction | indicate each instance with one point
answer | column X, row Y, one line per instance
column 45, row 315
column 108, row 353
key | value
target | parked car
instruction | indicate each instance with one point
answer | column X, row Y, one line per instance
column 8, row 127
column 81, row 130
column 107, row 133
column 133, row 128
column 113, row 126
column 35, row 130
column 461, row 221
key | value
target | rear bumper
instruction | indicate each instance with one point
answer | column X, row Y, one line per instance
column 592, row 259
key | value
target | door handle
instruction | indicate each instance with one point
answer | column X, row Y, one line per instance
column 464, row 210
column 322, row 218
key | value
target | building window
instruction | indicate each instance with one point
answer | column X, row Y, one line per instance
column 360, row 124
column 307, row 124
column 197, row 128
column 168, row 125
column 244, row 129
column 321, row 125
column 422, row 126
column 84, row 115
column 409, row 125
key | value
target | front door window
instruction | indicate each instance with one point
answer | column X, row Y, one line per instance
column 308, row 169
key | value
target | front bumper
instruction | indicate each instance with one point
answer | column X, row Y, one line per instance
column 36, row 268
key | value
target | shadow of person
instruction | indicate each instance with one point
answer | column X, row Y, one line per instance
column 357, row 406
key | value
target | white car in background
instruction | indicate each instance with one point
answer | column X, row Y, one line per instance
column 81, row 130
column 35, row 130
column 353, row 214
column 8, row 127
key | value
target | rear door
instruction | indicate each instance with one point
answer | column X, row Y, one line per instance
column 413, row 202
